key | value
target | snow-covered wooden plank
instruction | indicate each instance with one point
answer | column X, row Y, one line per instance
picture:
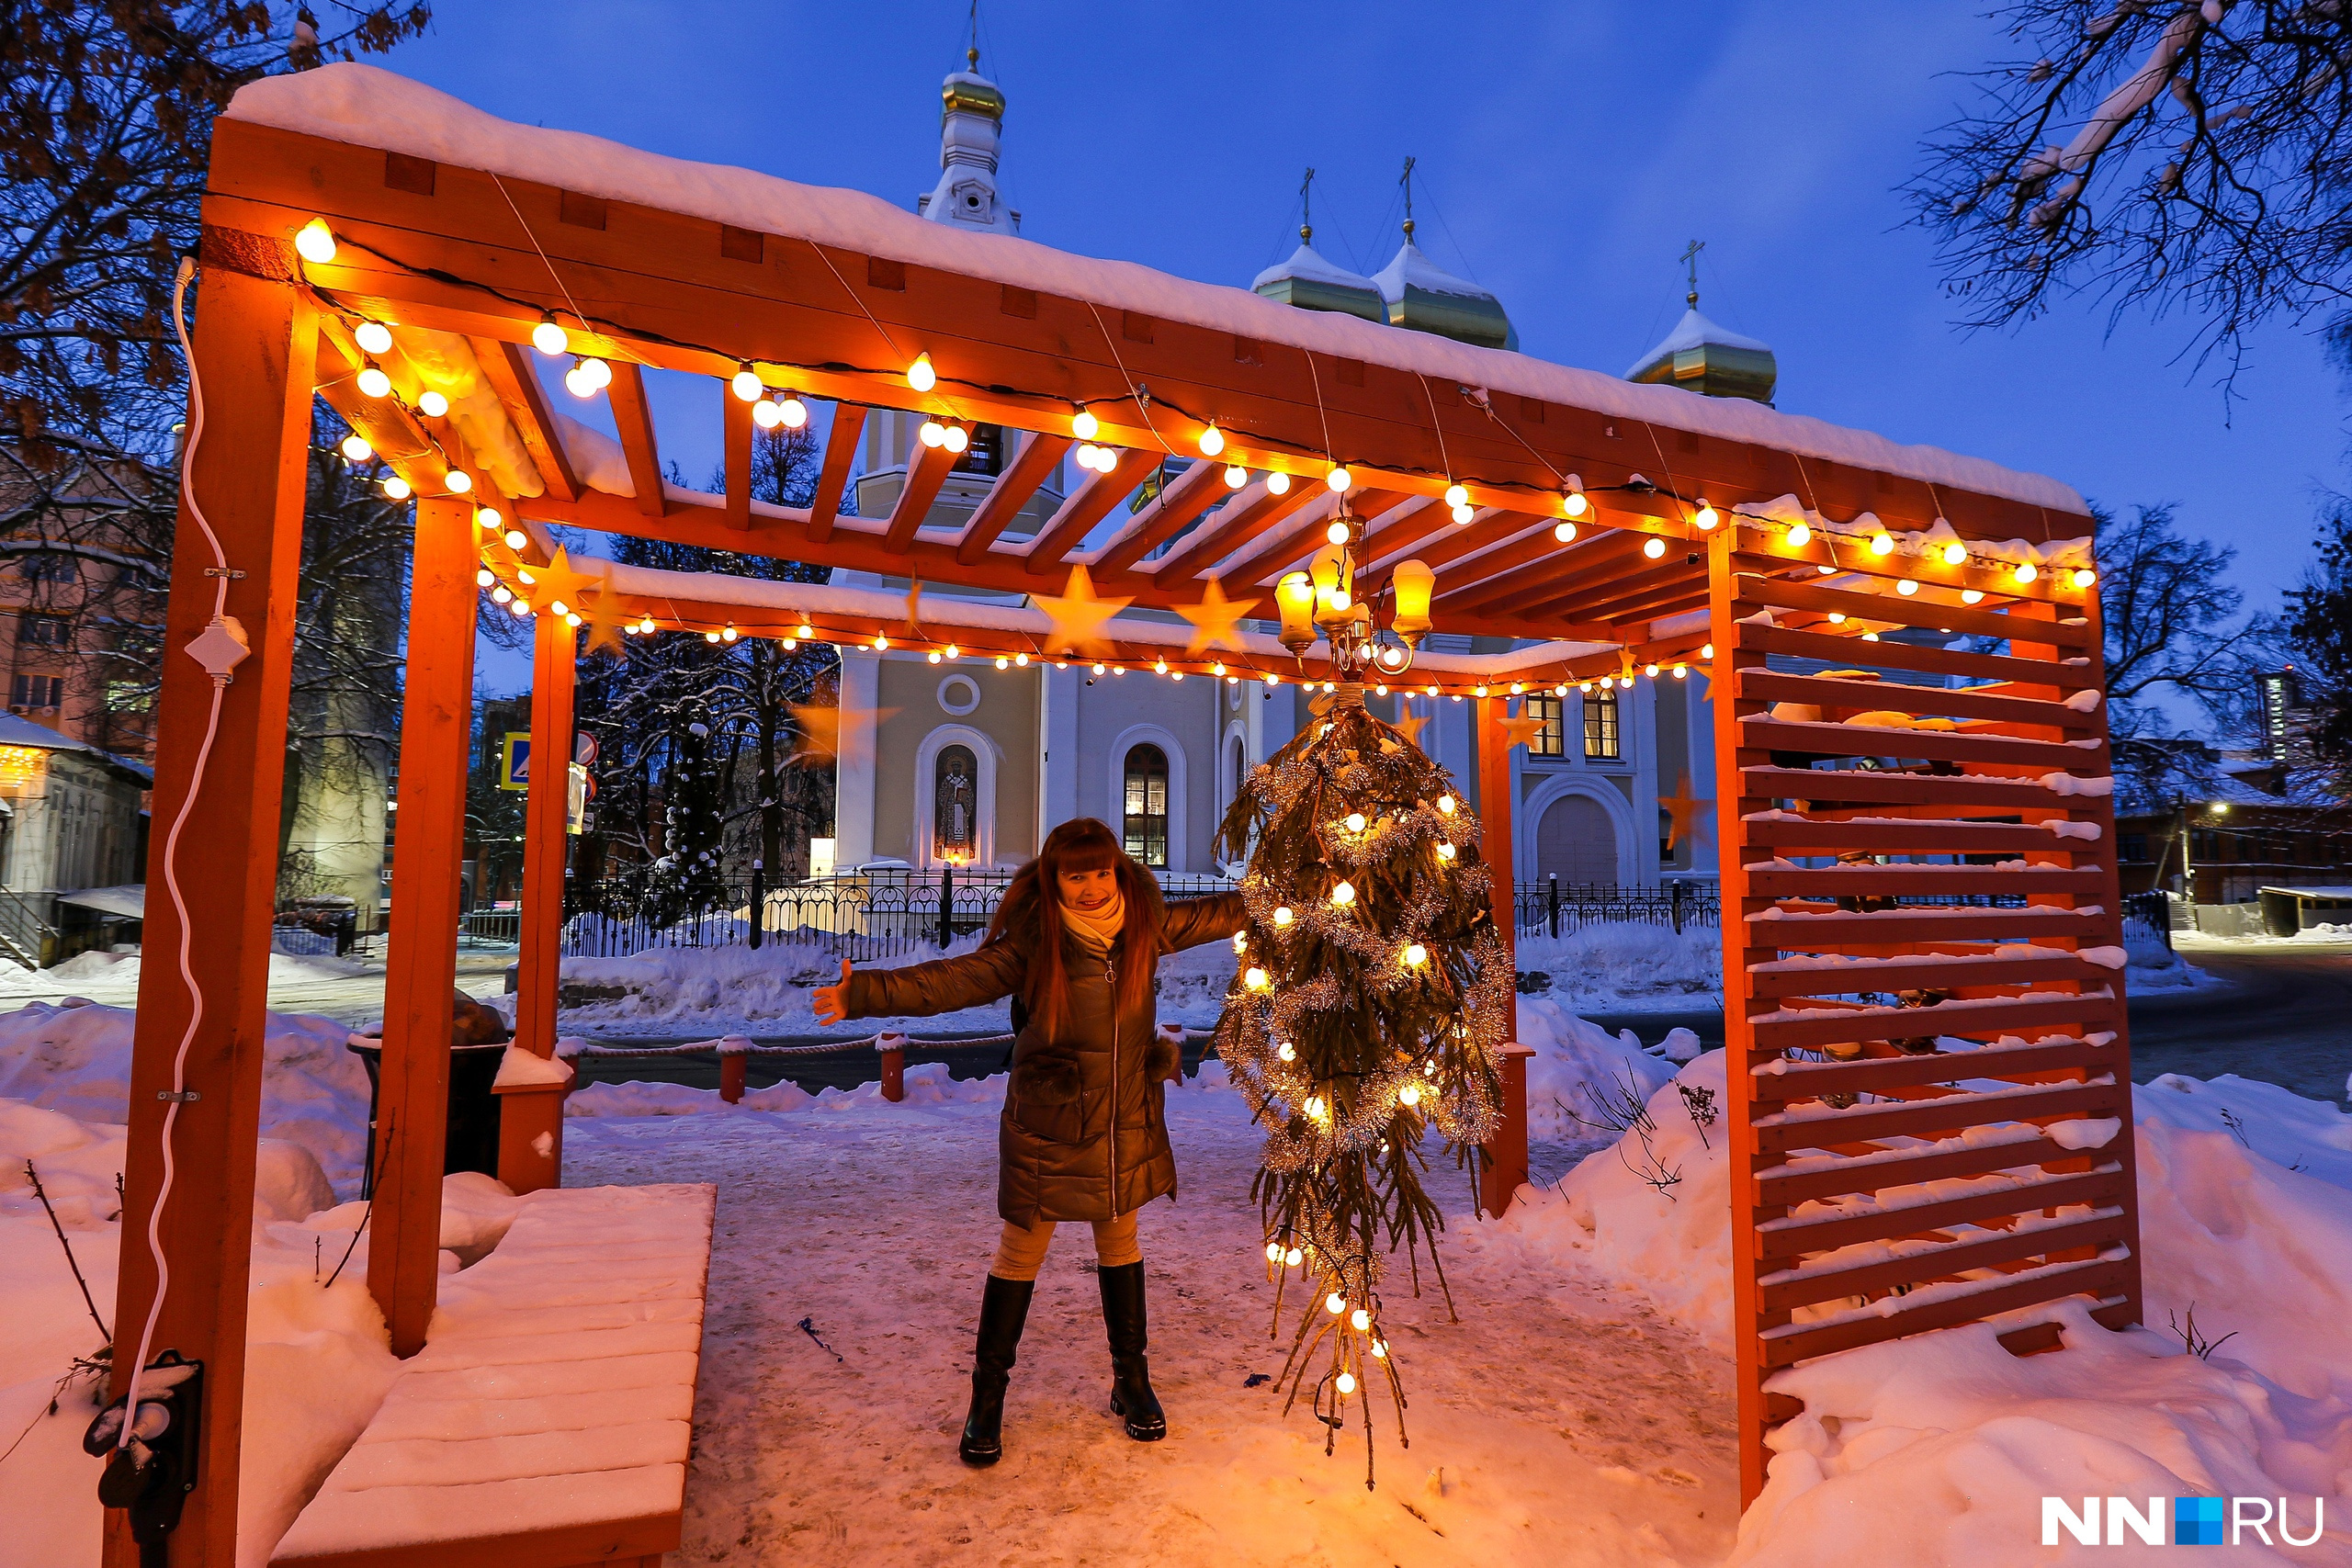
column 1800, row 977
column 1768, row 880
column 1846, row 930
column 1866, row 598
column 2088, row 757
column 1809, row 1177
column 1819, row 785
column 548, row 1420
column 1968, row 1302
column 1834, row 1025
column 1780, row 1081
column 1950, row 701
column 1836, row 650
column 1807, row 1286
column 1793, row 1237
column 1814, row 1127
column 1920, row 836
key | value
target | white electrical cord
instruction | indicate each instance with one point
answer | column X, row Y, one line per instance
column 221, row 624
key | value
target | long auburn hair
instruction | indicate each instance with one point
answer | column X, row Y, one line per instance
column 1033, row 907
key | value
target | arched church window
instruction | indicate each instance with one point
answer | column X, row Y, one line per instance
column 1240, row 762
column 1145, row 828
column 954, row 796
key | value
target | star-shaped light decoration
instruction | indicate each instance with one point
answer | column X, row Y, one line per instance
column 600, row 607
column 914, row 607
column 1213, row 620
column 827, row 727
column 1523, row 730
column 1411, row 723
column 1078, row 616
column 557, row 583
column 1684, row 810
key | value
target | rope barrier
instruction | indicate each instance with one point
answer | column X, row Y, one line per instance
column 736, row 1046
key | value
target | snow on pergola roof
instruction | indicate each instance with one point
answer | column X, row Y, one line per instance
column 462, row 231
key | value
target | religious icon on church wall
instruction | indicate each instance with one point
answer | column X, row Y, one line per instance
column 954, row 796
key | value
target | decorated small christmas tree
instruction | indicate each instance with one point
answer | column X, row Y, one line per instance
column 1369, row 996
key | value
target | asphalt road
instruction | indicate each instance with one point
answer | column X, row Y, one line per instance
column 2285, row 1018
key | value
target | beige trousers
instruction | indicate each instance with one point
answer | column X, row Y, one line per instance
column 1020, row 1253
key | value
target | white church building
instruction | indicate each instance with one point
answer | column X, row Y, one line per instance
column 965, row 764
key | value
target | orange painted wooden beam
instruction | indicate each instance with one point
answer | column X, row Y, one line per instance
column 633, row 417
column 929, row 471
column 1179, row 502
column 421, row 965
column 1406, row 526
column 255, row 345
column 1287, row 545
column 507, row 367
column 1590, row 556
column 735, row 420
column 1089, row 505
column 1503, row 1162
column 1237, row 526
column 1040, row 455
column 832, row 478
column 525, row 1163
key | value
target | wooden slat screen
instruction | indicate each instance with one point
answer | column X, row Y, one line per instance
column 1923, row 962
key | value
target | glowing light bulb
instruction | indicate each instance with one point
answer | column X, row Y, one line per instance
column 1240, row 941
column 1293, row 1258
column 1972, row 595
column 1707, row 517
column 1380, row 1349
column 921, row 376
column 600, row 375
column 646, row 626
column 1409, row 1094
column 1649, row 670
column 1465, row 514
column 501, row 594
column 485, row 578
column 1084, row 457
column 766, row 415
column 1955, row 554
column 548, row 338
column 804, row 631
column 521, row 607
column 578, row 382
column 1881, row 543
column 2026, row 571
column 1083, row 425
column 1102, row 669
column 1021, row 662
column 1826, row 571
column 375, row 383
column 2085, row 577
column 1334, row 1303
column 374, row 336
column 1416, row 954
column 1212, row 442
column 1574, row 505
column 731, row 634
column 487, row 517
column 1274, row 680
column 1707, row 650
column 1282, row 915
column 1359, row 1320
column 881, row 643
column 1278, row 484
column 932, row 657
column 558, row 608
column 1836, row 617
column 793, row 411
column 1256, row 980
column 1682, row 671
column 355, row 447
column 1445, row 852
column 959, row 438
column 459, row 481
column 516, row 538
column 1273, row 1252
column 1445, row 802
column 1345, row 1382
column 1654, row 547
column 1338, row 532
column 433, row 405
column 934, row 433
column 1800, row 535
column 1338, row 479
column 1235, row 476
column 746, row 383
column 1354, row 820
column 314, row 241
column 1344, row 894
column 1160, row 667
column 396, row 487
column 1286, row 1052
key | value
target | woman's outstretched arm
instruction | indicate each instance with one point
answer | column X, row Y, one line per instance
column 1191, row 921
column 944, row 985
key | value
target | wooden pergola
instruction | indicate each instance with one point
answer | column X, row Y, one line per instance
column 1874, row 795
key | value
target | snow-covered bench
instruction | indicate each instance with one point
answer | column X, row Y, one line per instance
column 545, row 1422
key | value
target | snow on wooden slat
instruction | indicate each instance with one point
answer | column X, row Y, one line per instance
column 1799, row 977
column 1877, row 599
column 1809, row 1177
column 1953, row 702
column 1780, row 1081
column 1942, row 1307
column 1811, row 1127
column 2088, row 757
column 1812, row 1028
column 1846, row 650
column 1784, row 880
column 1811, row 1284
column 1793, row 1237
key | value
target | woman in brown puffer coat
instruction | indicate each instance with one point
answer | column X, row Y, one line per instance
column 1075, row 942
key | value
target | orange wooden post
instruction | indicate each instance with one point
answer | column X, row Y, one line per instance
column 420, row 968
column 1502, row 1165
column 893, row 1050
column 1739, row 990
column 256, row 349
column 530, row 1126
column 731, row 1063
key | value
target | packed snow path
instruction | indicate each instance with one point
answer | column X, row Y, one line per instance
column 1556, row 1423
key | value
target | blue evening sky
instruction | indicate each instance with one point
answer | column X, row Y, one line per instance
column 1566, row 153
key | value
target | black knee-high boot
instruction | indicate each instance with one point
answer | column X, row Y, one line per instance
column 1123, row 1316
column 1004, row 1308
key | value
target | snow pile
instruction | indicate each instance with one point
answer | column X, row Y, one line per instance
column 665, row 991
column 114, row 977
column 1940, row 1448
column 2156, row 967
column 1579, row 1068
column 317, row 1362
column 927, row 1083
column 1608, row 965
column 76, row 1060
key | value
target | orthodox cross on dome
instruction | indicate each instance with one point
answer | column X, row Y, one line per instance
column 1406, row 179
column 1307, row 209
column 1691, row 259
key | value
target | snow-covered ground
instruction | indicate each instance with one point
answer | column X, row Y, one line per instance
column 348, row 991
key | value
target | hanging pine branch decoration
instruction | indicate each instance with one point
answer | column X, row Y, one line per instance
column 1370, row 997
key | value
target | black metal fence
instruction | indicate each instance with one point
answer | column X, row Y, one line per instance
column 1553, row 908
column 861, row 916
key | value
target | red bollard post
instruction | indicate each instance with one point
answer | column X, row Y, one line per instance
column 893, row 1048
column 1502, row 1169
column 733, row 1057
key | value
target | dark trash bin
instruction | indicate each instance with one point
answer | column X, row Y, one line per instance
column 477, row 1042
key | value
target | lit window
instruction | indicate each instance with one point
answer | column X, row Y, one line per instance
column 1600, row 741
column 1551, row 740
column 1145, row 808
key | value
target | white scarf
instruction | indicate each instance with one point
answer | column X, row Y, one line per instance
column 1097, row 929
